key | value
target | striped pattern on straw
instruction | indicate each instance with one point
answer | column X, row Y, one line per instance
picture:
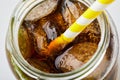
column 85, row 19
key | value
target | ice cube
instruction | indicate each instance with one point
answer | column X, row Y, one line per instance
column 45, row 8
column 75, row 56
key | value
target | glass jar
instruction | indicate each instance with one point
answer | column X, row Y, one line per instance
column 97, row 68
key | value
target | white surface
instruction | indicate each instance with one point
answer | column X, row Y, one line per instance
column 6, row 9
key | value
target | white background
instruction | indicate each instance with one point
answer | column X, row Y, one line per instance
column 6, row 9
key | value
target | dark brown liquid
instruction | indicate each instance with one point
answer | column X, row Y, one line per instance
column 35, row 36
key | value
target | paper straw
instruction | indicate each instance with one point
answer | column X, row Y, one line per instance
column 79, row 25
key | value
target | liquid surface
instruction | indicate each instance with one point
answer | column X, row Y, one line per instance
column 36, row 34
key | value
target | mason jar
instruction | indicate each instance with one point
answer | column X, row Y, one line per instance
column 97, row 68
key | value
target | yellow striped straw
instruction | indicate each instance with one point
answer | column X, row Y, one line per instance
column 79, row 25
